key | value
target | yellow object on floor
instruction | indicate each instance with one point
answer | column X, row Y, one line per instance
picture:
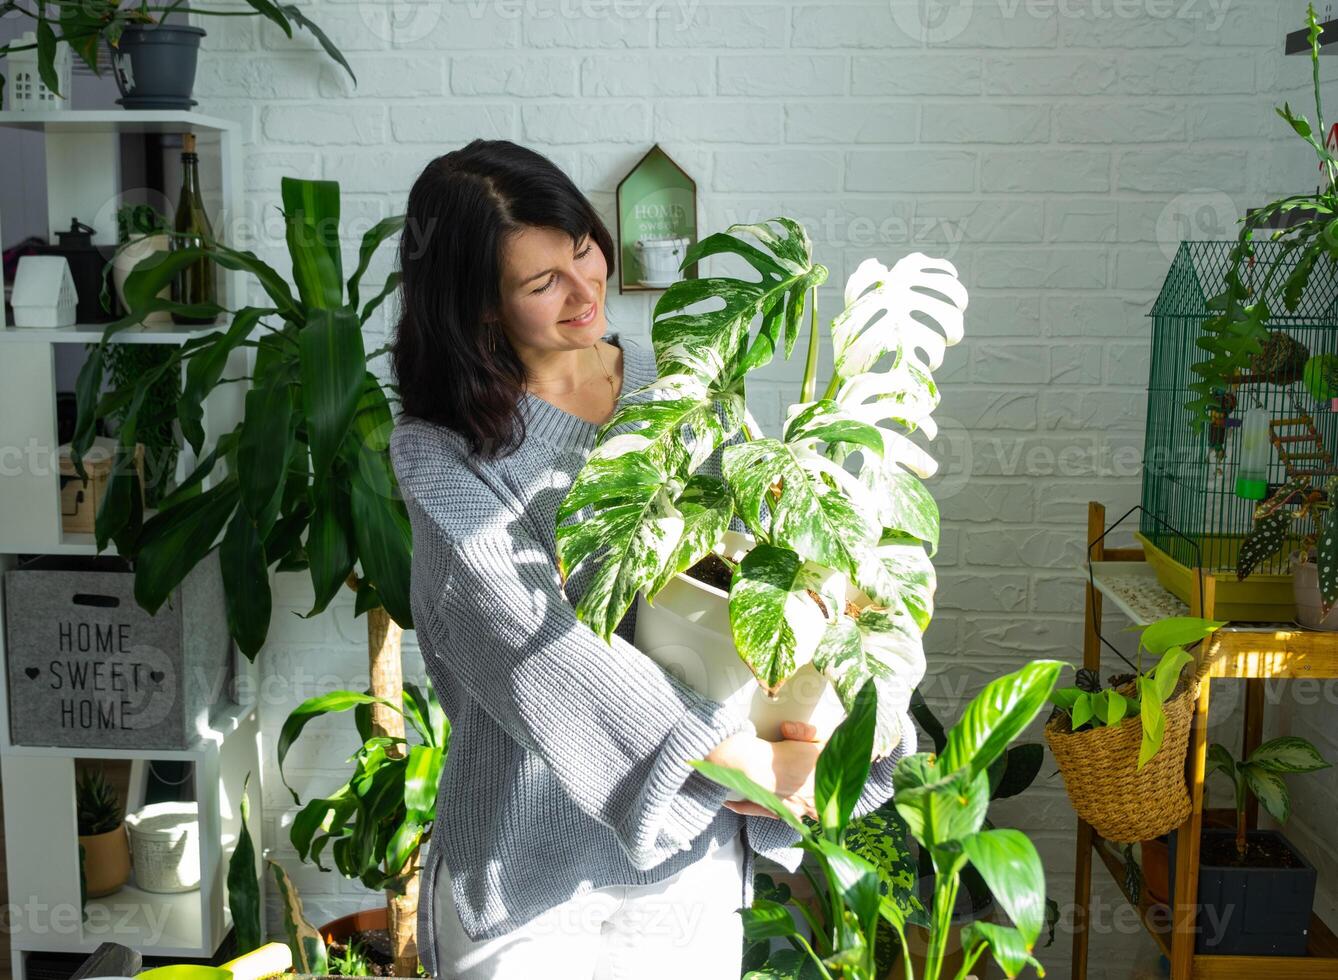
column 268, row 960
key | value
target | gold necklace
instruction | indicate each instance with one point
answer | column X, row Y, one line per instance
column 609, row 377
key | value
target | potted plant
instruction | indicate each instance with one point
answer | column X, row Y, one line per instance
column 103, row 846
column 1121, row 750
column 943, row 799
column 1315, row 564
column 833, row 585
column 303, row 482
column 140, row 231
column 1275, row 921
column 374, row 822
column 153, row 61
column 1237, row 334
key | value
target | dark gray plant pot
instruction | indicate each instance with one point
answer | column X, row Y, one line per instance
column 154, row 65
column 1253, row 911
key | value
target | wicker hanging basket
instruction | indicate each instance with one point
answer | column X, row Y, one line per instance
column 1123, row 803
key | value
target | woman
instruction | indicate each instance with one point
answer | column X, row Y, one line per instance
column 572, row 838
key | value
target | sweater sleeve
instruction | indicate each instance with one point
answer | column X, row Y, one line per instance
column 615, row 728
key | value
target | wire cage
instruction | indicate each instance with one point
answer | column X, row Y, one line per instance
column 1190, row 475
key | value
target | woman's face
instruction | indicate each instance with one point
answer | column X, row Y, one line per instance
column 552, row 292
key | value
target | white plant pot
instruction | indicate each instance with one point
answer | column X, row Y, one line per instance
column 660, row 258
column 124, row 263
column 686, row 631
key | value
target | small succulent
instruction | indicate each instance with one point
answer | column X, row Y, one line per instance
column 99, row 810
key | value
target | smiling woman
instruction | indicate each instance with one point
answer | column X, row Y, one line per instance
column 567, row 783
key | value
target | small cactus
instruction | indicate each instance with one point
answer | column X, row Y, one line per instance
column 99, row 810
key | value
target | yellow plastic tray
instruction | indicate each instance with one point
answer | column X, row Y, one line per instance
column 1260, row 598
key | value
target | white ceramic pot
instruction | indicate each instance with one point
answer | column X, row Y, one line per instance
column 660, row 259
column 1309, row 605
column 124, row 263
column 686, row 631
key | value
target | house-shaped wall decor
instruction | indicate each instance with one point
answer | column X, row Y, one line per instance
column 657, row 207
column 23, row 81
column 44, row 293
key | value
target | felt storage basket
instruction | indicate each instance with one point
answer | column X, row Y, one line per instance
column 1123, row 803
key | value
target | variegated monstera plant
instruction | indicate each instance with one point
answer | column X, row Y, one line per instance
column 818, row 523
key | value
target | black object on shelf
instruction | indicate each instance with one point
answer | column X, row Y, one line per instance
column 86, row 262
column 1298, row 42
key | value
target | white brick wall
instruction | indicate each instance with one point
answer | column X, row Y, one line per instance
column 1055, row 151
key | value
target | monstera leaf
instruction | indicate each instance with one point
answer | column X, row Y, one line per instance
column 839, row 575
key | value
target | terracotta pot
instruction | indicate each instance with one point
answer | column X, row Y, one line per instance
column 106, row 861
column 338, row 930
column 1156, row 855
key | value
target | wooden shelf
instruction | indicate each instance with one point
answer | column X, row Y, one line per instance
column 117, row 121
column 91, row 333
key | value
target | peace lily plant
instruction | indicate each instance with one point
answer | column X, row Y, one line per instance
column 827, row 527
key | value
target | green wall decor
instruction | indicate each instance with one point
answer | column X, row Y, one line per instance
column 657, row 200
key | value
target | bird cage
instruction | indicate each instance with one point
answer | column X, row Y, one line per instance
column 24, row 84
column 44, row 293
column 1198, row 500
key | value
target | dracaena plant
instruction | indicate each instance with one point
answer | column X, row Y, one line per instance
column 303, row 482
column 818, row 524
column 1261, row 775
column 943, row 799
column 84, row 24
column 1089, row 706
column 1236, row 330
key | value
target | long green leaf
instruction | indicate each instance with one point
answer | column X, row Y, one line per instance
column 174, row 541
column 1012, row 869
column 244, row 884
column 1270, row 790
column 1288, row 753
column 316, row 707
column 332, row 367
column 303, row 938
column 843, row 766
column 998, row 715
column 311, row 217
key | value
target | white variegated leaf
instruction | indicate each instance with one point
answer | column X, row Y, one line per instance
column 898, row 573
column 815, row 521
column 775, row 623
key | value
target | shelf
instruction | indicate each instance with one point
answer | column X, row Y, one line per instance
column 1322, row 953
column 152, row 923
column 91, row 333
column 117, row 121
column 1133, row 587
column 1298, row 42
column 219, row 729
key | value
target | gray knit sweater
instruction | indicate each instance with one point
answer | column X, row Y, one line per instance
column 567, row 768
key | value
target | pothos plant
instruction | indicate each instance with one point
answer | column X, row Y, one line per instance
column 1274, row 522
column 1261, row 775
column 656, row 512
column 943, row 798
column 1236, row 332
column 1089, row 706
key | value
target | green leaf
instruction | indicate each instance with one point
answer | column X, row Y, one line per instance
column 205, row 369
column 332, row 366
column 737, row 781
column 1006, row 945
column 1083, row 710
column 1269, row 789
column 244, row 884
column 422, row 776
column 1008, row 862
column 767, row 919
column 311, row 217
column 1326, row 565
column 1164, row 678
column 1288, row 753
column 877, row 644
column 939, row 808
column 855, row 878
column 175, row 540
column 998, row 715
column 330, row 542
column 247, row 597
column 1022, row 764
column 303, row 938
column 843, row 765
column 1219, row 759
column 295, row 14
column 316, row 707
column 1177, row 631
column 371, row 241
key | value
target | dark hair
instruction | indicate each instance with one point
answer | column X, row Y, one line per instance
column 461, row 210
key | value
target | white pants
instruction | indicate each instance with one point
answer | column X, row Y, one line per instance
column 684, row 926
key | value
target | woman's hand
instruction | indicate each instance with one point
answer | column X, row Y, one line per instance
column 786, row 768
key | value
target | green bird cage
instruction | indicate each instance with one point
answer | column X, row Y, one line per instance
column 1200, row 489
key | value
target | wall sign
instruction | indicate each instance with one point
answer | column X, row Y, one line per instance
column 657, row 222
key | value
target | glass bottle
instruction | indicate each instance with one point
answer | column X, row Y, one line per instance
column 197, row 282
column 1256, row 452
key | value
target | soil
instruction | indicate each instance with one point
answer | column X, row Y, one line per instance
column 1219, row 850
column 713, row 570
column 375, row 946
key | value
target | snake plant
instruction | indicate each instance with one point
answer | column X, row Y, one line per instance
column 657, row 510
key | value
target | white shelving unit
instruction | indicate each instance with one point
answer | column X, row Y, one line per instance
column 82, row 175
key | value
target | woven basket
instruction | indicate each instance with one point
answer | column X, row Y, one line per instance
column 1100, row 767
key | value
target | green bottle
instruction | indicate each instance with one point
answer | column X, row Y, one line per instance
column 197, row 282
